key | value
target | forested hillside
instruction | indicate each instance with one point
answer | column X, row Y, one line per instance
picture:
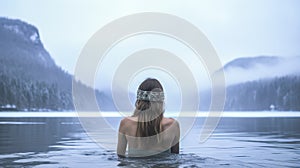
column 281, row 93
column 29, row 78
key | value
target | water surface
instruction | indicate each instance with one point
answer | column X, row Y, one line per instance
column 237, row 142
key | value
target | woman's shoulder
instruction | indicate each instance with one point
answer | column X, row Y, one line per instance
column 127, row 124
column 169, row 121
column 128, row 120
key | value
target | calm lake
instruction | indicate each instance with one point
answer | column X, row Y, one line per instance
column 237, row 142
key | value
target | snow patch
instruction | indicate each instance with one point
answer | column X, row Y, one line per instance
column 34, row 37
column 16, row 29
column 13, row 28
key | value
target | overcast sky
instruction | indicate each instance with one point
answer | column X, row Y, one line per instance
column 235, row 28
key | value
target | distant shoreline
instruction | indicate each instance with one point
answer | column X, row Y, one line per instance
column 205, row 114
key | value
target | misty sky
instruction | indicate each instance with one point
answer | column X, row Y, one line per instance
column 235, row 28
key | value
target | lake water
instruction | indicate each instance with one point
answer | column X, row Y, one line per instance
column 237, row 142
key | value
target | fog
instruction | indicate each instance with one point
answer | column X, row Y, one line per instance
column 255, row 68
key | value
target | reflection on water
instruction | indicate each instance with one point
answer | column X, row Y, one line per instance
column 237, row 142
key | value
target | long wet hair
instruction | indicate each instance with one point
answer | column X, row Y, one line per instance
column 149, row 113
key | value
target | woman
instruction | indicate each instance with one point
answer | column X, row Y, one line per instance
column 147, row 132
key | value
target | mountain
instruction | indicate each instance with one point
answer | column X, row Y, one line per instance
column 30, row 79
column 252, row 62
column 247, row 69
column 261, row 83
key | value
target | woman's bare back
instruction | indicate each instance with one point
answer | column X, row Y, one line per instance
column 168, row 139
